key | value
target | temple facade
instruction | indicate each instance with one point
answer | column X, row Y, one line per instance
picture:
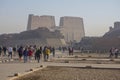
column 71, row 27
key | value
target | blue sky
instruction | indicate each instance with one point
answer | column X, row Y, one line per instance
column 98, row 15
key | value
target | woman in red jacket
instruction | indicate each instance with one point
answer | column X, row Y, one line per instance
column 30, row 53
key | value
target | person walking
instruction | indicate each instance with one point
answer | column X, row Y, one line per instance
column 30, row 53
column 25, row 54
column 38, row 54
column 44, row 53
column 10, row 50
column 111, row 52
column 14, row 51
column 72, row 50
column 20, row 53
column 0, row 51
column 53, row 51
column 69, row 50
column 47, row 53
column 4, row 50
column 116, row 52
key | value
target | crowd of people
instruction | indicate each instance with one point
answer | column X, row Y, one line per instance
column 28, row 52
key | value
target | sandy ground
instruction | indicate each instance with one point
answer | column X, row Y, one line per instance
column 63, row 73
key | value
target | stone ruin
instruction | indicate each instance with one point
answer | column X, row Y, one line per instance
column 39, row 37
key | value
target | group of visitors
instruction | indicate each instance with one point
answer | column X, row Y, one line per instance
column 5, row 50
column 28, row 52
column 114, row 52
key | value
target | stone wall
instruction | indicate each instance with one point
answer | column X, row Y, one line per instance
column 56, row 42
column 39, row 37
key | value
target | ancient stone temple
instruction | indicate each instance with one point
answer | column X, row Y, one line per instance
column 35, row 21
column 72, row 28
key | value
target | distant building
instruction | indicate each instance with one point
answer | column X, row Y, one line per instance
column 35, row 22
column 113, row 31
column 116, row 25
column 72, row 28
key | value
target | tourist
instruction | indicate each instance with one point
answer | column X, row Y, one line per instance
column 60, row 48
column 111, row 52
column 25, row 54
column 20, row 53
column 63, row 49
column 34, row 48
column 4, row 50
column 41, row 50
column 10, row 50
column 116, row 51
column 0, row 51
column 14, row 51
column 44, row 53
column 47, row 53
column 38, row 54
column 72, row 50
column 53, row 51
column 69, row 51
column 30, row 53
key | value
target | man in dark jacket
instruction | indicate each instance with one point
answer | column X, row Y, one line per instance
column 38, row 54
